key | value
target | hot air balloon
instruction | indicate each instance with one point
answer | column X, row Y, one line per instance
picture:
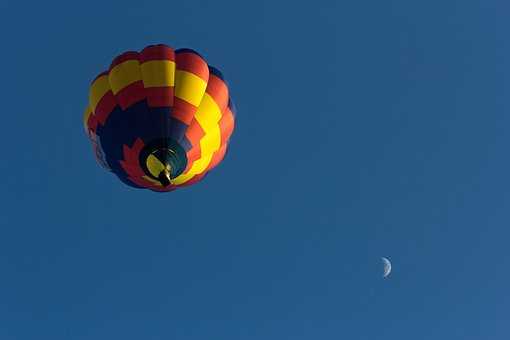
column 159, row 119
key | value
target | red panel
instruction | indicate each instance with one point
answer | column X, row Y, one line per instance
column 92, row 122
column 160, row 96
column 193, row 63
column 195, row 133
column 157, row 52
column 131, row 94
column 130, row 55
column 193, row 154
column 217, row 89
column 132, row 171
column 226, row 124
column 105, row 107
column 183, row 111
column 131, row 154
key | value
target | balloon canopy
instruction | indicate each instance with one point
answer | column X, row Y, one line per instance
column 159, row 119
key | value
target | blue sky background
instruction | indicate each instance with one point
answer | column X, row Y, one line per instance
column 364, row 129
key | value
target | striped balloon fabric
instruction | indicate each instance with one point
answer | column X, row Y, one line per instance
column 160, row 118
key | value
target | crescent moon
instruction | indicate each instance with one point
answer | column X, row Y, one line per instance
column 386, row 266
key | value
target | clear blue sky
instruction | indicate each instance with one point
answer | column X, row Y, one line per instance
column 364, row 129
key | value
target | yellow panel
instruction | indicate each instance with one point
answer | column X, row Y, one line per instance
column 189, row 87
column 183, row 178
column 158, row 73
column 124, row 74
column 97, row 90
column 201, row 163
column 154, row 165
column 86, row 116
column 208, row 116
column 211, row 141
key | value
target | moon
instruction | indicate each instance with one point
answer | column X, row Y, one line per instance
column 386, row 266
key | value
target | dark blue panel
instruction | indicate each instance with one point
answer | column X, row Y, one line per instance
column 124, row 127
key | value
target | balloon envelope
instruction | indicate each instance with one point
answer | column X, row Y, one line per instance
column 159, row 119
